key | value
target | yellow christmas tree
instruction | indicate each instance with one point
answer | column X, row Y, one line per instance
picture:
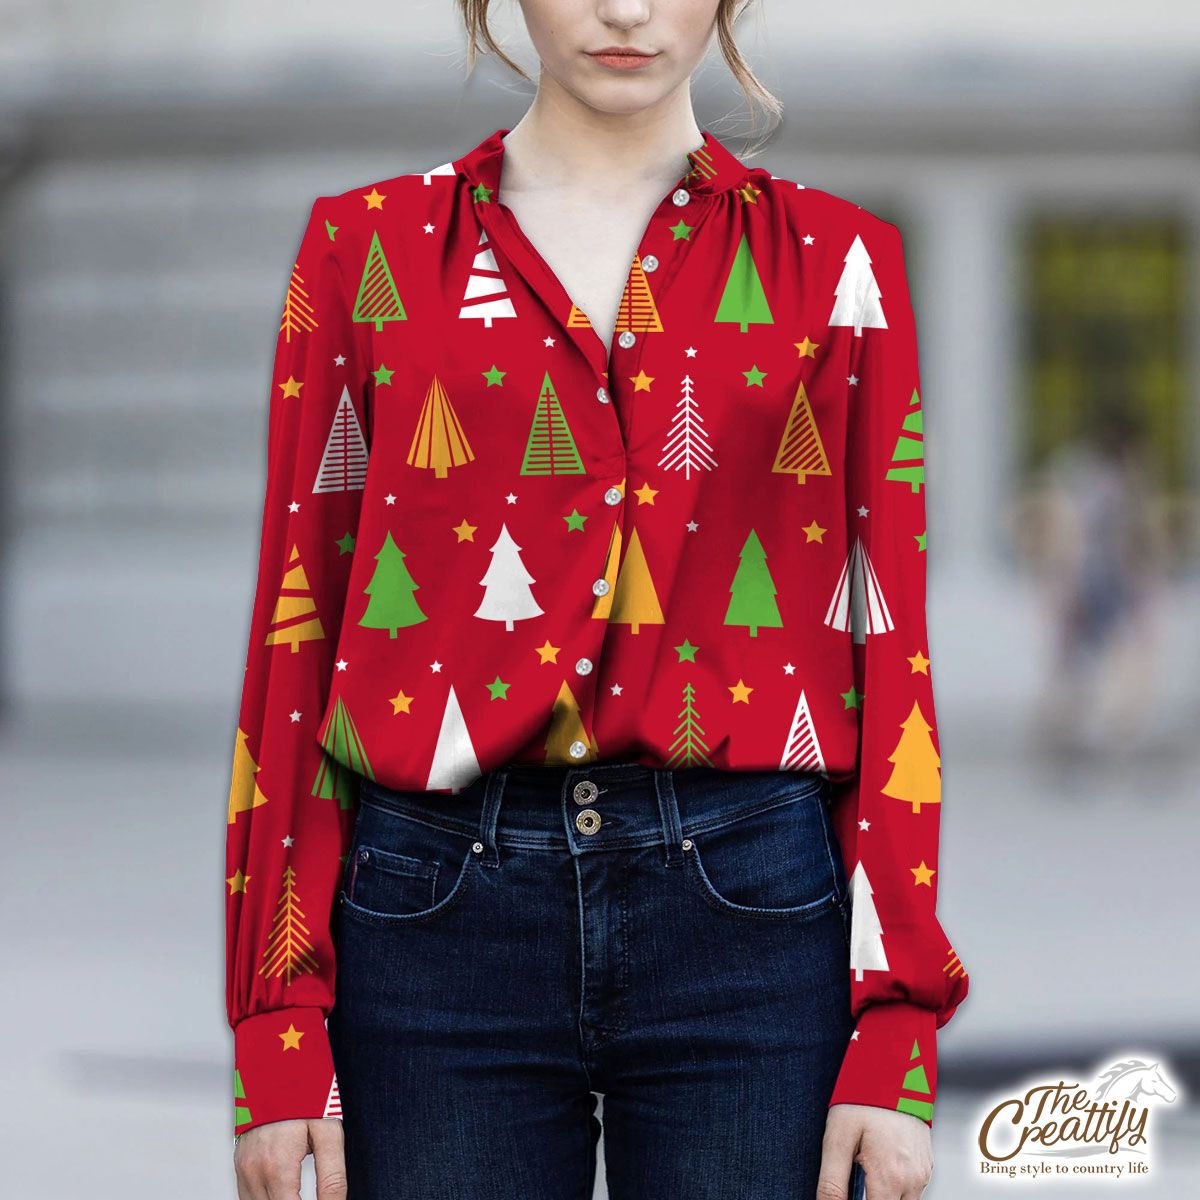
column 915, row 777
column 289, row 952
column 295, row 617
column 566, row 726
column 243, row 792
column 439, row 441
column 634, row 600
column 602, row 605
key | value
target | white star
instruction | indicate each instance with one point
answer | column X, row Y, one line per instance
column 548, row 342
column 294, row 506
column 341, row 664
column 852, row 380
column 691, row 352
column 864, row 824
column 287, row 841
column 808, row 237
column 692, row 527
column 295, row 715
column 788, row 669
column 854, row 1036
column 340, row 361
column 511, row 498
column 435, row 666
column 616, row 689
column 863, row 510
column 389, row 499
column 428, row 228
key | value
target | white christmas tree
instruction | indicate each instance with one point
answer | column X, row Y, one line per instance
column 486, row 297
column 454, row 762
column 344, row 463
column 687, row 447
column 508, row 597
column 866, row 933
column 857, row 292
column 802, row 751
column 333, row 1102
column 858, row 603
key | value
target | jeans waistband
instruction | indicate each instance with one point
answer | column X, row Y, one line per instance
column 604, row 806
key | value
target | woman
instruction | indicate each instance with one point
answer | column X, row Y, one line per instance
column 587, row 722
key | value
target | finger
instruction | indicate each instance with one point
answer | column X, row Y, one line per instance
column 837, row 1159
column 329, row 1157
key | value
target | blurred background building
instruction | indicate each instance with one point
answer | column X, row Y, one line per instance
column 157, row 164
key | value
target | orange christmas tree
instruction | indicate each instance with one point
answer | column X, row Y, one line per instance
column 634, row 600
column 801, row 451
column 915, row 777
column 438, row 441
column 289, row 952
column 243, row 791
column 566, row 726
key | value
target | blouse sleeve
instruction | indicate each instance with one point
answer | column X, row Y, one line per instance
column 905, row 978
column 290, row 804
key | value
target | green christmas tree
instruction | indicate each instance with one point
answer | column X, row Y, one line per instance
column 909, row 452
column 752, row 592
column 241, row 1112
column 915, row 1080
column 345, row 758
column 689, row 748
column 743, row 302
column 550, row 449
column 393, row 604
column 377, row 300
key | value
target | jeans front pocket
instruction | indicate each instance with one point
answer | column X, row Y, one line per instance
column 403, row 868
column 776, row 862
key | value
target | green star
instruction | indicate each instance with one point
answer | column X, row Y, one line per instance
column 754, row 377
column 498, row 688
column 331, row 229
column 494, row 376
column 574, row 520
column 481, row 194
column 919, row 538
column 345, row 543
column 682, row 231
column 382, row 375
column 852, row 698
column 686, row 651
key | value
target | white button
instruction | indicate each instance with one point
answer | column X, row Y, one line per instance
column 681, row 197
column 600, row 587
column 626, row 340
column 584, row 666
column 649, row 263
column 577, row 750
column 613, row 496
column 602, row 395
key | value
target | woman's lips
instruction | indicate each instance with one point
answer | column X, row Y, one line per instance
column 623, row 60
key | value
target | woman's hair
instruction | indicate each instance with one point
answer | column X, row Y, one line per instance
column 475, row 18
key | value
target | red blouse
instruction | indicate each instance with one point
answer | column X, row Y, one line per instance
column 485, row 540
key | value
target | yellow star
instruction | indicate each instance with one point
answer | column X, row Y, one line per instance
column 919, row 663
column 813, row 532
column 291, row 1038
column 646, row 494
column 748, row 192
column 291, row 387
column 547, row 652
column 466, row 532
column 641, row 381
column 400, row 702
column 922, row 874
column 741, row 692
column 374, row 199
column 237, row 882
column 807, row 349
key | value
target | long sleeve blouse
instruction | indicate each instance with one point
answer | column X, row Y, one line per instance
column 487, row 538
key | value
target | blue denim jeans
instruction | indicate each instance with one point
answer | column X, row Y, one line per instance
column 674, row 940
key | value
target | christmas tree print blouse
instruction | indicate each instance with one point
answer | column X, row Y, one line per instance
column 484, row 540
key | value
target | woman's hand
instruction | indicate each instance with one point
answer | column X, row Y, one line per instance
column 267, row 1159
column 894, row 1148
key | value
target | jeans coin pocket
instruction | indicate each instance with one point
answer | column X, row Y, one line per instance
column 778, row 861
column 402, row 868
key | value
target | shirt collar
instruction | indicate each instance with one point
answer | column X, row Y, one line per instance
column 710, row 168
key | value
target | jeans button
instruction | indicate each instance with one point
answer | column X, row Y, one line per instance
column 587, row 821
column 585, row 791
